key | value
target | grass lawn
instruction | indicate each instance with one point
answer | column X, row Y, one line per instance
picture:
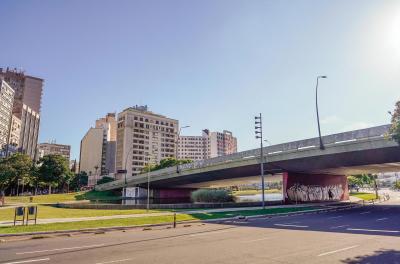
column 364, row 196
column 64, row 197
column 47, row 211
column 146, row 220
column 251, row 192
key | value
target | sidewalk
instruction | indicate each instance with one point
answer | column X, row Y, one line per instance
column 77, row 219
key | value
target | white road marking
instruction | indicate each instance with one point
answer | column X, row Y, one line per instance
column 334, row 227
column 114, row 261
column 301, row 226
column 373, row 230
column 255, row 240
column 381, row 219
column 336, row 251
column 365, row 213
column 58, row 249
column 28, row 261
column 210, row 232
column 334, row 217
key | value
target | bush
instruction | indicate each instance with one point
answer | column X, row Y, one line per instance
column 105, row 179
column 211, row 196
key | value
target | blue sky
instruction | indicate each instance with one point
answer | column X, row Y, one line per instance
column 210, row 64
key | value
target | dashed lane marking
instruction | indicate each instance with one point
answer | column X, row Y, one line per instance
column 28, row 261
column 336, row 251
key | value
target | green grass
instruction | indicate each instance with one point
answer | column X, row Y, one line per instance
column 364, row 196
column 65, row 197
column 251, row 192
column 94, row 224
column 146, row 220
column 46, row 211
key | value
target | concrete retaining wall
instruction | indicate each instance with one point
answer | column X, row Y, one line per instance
column 162, row 206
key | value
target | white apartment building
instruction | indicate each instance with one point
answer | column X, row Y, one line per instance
column 194, row 147
column 6, row 106
column 143, row 137
column 208, row 145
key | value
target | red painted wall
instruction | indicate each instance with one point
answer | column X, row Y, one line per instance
column 291, row 178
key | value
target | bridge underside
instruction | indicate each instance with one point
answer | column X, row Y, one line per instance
column 318, row 178
column 349, row 163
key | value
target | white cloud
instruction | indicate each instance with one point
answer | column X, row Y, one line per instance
column 357, row 125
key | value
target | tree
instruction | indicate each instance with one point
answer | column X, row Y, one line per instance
column 394, row 130
column 80, row 179
column 17, row 167
column 54, row 170
column 170, row 162
column 105, row 180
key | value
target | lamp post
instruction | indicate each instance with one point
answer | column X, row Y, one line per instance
column 126, row 172
column 321, row 144
column 259, row 135
column 148, row 183
column 176, row 147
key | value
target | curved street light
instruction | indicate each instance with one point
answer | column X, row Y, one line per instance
column 321, row 144
column 176, row 147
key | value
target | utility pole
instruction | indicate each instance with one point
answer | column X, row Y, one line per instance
column 259, row 135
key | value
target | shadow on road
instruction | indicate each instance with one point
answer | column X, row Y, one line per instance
column 378, row 257
column 368, row 220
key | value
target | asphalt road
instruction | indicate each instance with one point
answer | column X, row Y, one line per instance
column 370, row 234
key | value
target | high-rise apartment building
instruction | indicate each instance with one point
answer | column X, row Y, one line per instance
column 208, row 145
column 26, row 107
column 143, row 137
column 194, row 147
column 222, row 143
column 54, row 149
column 98, row 147
column 6, row 105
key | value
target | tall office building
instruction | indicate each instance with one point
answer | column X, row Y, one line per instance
column 98, row 147
column 143, row 137
column 26, row 107
column 54, row 149
column 208, row 145
column 6, row 105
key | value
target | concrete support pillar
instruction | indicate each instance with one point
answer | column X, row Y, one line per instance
column 303, row 188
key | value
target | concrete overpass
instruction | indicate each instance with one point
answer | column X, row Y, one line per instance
column 303, row 166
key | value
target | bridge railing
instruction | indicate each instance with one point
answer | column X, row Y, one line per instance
column 367, row 133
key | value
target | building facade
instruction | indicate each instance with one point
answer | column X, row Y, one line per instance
column 91, row 153
column 98, row 148
column 6, row 106
column 194, row 147
column 54, row 149
column 26, row 107
column 208, row 145
column 143, row 137
column 15, row 132
column 222, row 143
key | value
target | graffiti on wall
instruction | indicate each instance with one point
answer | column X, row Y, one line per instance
column 308, row 193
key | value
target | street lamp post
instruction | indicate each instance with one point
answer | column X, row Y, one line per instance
column 259, row 135
column 176, row 147
column 321, row 144
column 126, row 172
